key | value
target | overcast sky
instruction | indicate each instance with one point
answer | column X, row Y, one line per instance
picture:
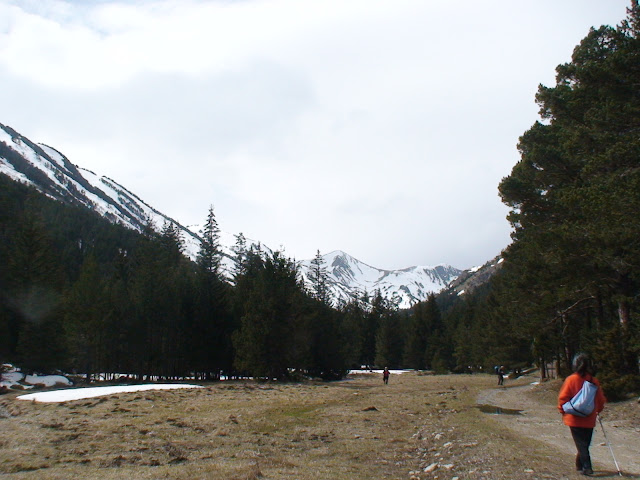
column 381, row 128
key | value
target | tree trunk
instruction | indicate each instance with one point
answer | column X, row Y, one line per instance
column 630, row 358
column 623, row 316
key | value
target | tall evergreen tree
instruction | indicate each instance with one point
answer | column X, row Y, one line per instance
column 212, row 326
column 320, row 279
column 388, row 336
column 210, row 254
column 266, row 302
column 575, row 192
column 353, row 319
column 85, row 320
column 35, row 297
column 240, row 257
column 416, row 343
column 438, row 344
column 370, row 327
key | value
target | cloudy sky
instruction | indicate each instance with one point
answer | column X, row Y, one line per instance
column 377, row 127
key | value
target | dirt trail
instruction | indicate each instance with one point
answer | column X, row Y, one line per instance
column 539, row 418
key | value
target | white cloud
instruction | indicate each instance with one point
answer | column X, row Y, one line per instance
column 380, row 128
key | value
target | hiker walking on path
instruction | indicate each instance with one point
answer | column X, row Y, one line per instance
column 385, row 375
column 581, row 426
column 501, row 372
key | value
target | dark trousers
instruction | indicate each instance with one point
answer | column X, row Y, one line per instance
column 582, row 438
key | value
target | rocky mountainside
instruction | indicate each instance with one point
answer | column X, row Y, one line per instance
column 468, row 280
column 54, row 175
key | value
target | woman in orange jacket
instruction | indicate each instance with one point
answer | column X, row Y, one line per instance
column 581, row 427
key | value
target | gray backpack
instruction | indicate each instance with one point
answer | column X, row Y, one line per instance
column 583, row 403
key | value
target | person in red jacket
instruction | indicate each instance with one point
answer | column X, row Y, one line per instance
column 581, row 427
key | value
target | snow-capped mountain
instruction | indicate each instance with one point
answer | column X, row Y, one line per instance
column 53, row 174
column 348, row 277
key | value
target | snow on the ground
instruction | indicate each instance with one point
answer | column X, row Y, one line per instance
column 364, row 372
column 47, row 380
column 13, row 377
column 10, row 379
column 68, row 394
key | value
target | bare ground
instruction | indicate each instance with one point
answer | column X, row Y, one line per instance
column 418, row 427
column 540, row 419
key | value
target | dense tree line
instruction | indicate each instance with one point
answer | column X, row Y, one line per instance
column 571, row 277
column 80, row 294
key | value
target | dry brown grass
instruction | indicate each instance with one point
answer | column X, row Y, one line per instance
column 354, row 429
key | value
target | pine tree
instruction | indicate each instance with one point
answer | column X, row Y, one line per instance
column 389, row 335
column 158, row 290
column 353, row 319
column 35, row 288
column 328, row 347
column 574, row 197
column 266, row 304
column 210, row 254
column 120, row 317
column 85, row 320
column 370, row 327
column 389, row 341
column 320, row 279
column 416, row 343
column 438, row 345
column 172, row 242
column 240, row 255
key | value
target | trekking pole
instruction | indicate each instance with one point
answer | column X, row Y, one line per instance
column 609, row 445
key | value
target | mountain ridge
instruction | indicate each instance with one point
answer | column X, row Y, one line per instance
column 52, row 173
column 403, row 287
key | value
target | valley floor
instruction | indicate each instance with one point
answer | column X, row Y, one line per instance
column 417, row 426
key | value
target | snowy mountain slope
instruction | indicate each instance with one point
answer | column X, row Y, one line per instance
column 348, row 276
column 52, row 173
column 473, row 278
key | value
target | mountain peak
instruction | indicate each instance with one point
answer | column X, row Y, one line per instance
column 52, row 173
column 350, row 278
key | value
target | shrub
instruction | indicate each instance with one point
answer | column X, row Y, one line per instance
column 620, row 388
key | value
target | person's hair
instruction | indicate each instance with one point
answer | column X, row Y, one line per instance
column 582, row 364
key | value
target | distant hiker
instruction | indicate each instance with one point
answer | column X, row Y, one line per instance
column 385, row 375
column 501, row 373
column 581, row 426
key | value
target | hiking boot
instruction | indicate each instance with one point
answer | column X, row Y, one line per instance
column 587, row 472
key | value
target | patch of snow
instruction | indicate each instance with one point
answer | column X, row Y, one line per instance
column 66, row 395
column 10, row 378
column 11, row 172
column 13, row 377
column 379, row 372
column 47, row 380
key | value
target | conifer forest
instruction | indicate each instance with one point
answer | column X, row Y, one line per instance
column 82, row 295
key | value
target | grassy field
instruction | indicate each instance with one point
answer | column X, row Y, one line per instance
column 354, row 429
